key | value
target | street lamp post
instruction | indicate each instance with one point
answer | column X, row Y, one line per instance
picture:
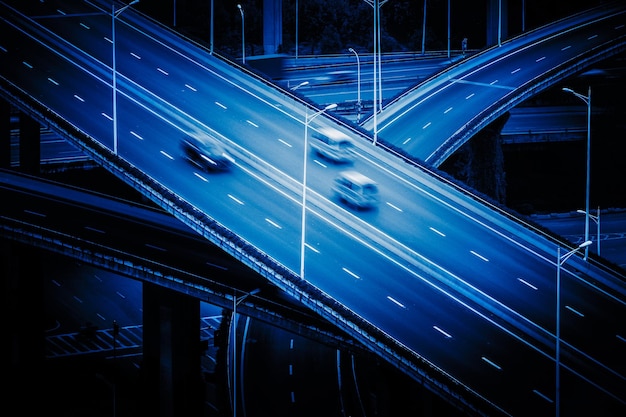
column 596, row 219
column 587, row 101
column 236, row 301
column 296, row 29
column 448, row 28
column 114, row 15
column 358, row 85
column 211, row 29
column 560, row 260
column 376, row 4
column 307, row 120
column 424, row 31
column 243, row 34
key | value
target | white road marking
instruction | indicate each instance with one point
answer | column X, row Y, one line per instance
column 201, row 177
column 394, row 207
column 273, row 223
column 573, row 310
column 437, row 231
column 351, row 273
column 479, row 256
column 236, row 200
column 492, row 363
column 312, row 248
column 545, row 397
column 527, row 283
column 396, row 302
column 446, row 334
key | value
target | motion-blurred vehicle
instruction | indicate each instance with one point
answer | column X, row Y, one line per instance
column 206, row 152
column 356, row 189
column 332, row 144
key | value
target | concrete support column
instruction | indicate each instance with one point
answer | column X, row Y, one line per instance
column 497, row 21
column 479, row 163
column 22, row 307
column 30, row 145
column 5, row 134
column 172, row 375
column 272, row 26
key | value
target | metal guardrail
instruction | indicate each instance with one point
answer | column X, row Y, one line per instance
column 91, row 340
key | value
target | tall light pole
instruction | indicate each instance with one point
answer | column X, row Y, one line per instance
column 424, row 31
column 114, row 15
column 596, row 219
column 296, row 29
column 236, row 301
column 307, row 120
column 560, row 260
column 211, row 29
column 376, row 4
column 358, row 85
column 243, row 39
column 448, row 28
column 587, row 100
column 499, row 22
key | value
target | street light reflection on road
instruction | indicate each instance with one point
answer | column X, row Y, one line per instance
column 307, row 120
column 114, row 15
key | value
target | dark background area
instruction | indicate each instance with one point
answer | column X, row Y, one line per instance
column 332, row 26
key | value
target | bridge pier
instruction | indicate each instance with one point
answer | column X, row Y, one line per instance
column 272, row 26
column 23, row 326
column 479, row 163
column 30, row 145
column 171, row 373
column 497, row 21
column 5, row 134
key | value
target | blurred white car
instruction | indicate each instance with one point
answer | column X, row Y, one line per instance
column 332, row 144
column 356, row 189
column 206, row 152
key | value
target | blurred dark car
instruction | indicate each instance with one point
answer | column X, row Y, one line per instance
column 206, row 152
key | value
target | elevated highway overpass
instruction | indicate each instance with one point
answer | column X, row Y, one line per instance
column 393, row 247
column 422, row 123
